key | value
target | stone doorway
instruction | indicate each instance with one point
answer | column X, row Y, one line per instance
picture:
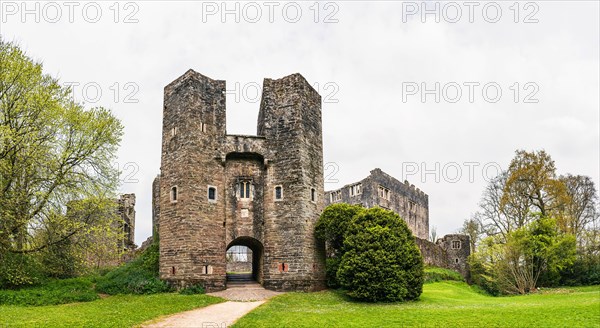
column 244, row 261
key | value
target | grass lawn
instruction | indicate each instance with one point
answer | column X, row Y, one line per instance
column 442, row 304
column 113, row 311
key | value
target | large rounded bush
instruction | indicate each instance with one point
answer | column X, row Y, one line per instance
column 331, row 227
column 333, row 223
column 381, row 261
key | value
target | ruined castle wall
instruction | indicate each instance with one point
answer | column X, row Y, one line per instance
column 126, row 211
column 406, row 200
column 458, row 249
column 433, row 255
column 239, row 266
column 412, row 205
column 155, row 205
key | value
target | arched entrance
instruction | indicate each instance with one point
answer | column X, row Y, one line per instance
column 245, row 254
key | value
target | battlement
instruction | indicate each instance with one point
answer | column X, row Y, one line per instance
column 206, row 83
column 405, row 187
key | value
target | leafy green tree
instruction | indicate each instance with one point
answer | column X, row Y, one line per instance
column 52, row 152
column 536, row 250
column 482, row 264
column 530, row 190
column 381, row 261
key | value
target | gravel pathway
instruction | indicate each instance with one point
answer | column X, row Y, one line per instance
column 242, row 298
column 213, row 316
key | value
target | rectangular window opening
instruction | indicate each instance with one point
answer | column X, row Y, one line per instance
column 278, row 193
column 212, row 193
column 174, row 194
column 456, row 244
column 384, row 192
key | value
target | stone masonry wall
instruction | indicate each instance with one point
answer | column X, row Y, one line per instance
column 433, row 254
column 126, row 210
column 155, row 205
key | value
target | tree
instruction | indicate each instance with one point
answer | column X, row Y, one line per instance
column 516, row 265
column 580, row 211
column 100, row 244
column 433, row 234
column 527, row 190
column 492, row 216
column 52, row 152
column 532, row 180
column 472, row 228
column 381, row 261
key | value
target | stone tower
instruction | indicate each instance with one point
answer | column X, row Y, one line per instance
column 264, row 192
column 458, row 249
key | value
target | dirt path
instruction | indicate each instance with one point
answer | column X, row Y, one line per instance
column 242, row 298
column 218, row 315
column 245, row 292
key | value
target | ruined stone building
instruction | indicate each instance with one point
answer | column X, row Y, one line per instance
column 218, row 190
column 126, row 211
column 109, row 250
column 382, row 190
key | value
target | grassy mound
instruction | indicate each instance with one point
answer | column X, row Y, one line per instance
column 51, row 293
column 435, row 274
column 139, row 276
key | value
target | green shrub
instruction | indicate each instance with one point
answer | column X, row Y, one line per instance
column 483, row 275
column 19, row 270
column 331, row 227
column 584, row 271
column 60, row 261
column 332, row 265
column 435, row 274
column 333, row 223
column 381, row 260
column 139, row 276
column 52, row 292
column 193, row 289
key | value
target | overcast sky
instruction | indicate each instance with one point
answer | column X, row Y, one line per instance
column 369, row 61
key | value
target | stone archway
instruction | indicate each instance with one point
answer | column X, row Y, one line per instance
column 257, row 254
